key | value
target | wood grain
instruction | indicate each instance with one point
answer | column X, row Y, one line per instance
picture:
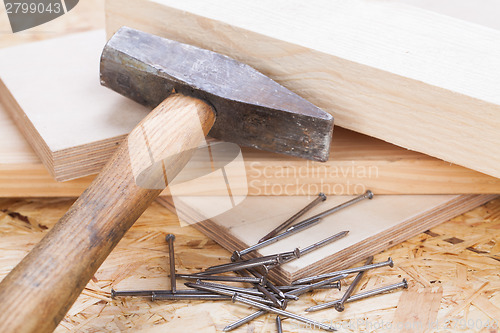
column 411, row 77
column 39, row 291
column 357, row 162
column 417, row 310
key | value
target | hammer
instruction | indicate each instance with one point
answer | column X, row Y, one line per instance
column 195, row 92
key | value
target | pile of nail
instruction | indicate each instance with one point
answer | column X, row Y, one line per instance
column 264, row 295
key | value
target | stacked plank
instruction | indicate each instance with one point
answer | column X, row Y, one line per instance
column 74, row 126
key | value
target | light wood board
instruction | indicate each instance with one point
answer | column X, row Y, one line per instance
column 412, row 77
column 373, row 226
column 55, row 98
column 76, row 141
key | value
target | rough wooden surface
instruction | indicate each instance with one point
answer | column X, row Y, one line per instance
column 460, row 256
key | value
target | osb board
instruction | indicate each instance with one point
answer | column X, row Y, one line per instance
column 373, row 225
column 409, row 76
column 459, row 256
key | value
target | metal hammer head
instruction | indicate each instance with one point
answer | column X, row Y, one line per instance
column 252, row 110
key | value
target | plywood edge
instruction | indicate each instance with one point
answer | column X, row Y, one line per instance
column 26, row 127
column 354, row 253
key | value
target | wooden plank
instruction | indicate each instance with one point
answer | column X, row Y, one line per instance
column 71, row 121
column 374, row 225
column 411, row 77
column 357, row 161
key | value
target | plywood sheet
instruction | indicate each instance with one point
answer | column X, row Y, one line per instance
column 373, row 225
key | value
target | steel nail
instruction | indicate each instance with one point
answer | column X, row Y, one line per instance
column 170, row 240
column 241, row 265
column 403, row 284
column 202, row 286
column 313, row 323
column 238, row 254
column 335, row 285
column 124, row 293
column 193, row 296
column 367, row 195
column 278, row 256
column 244, row 320
column 279, row 327
column 250, row 291
column 306, row 288
column 321, row 197
column 243, row 279
column 300, row 226
column 340, row 305
column 310, row 279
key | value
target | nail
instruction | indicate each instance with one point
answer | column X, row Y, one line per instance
column 244, row 320
column 193, row 296
column 319, row 244
column 300, row 226
column 238, row 254
column 270, row 285
column 202, row 286
column 335, row 285
column 329, row 283
column 279, row 327
column 250, row 291
column 241, row 265
column 243, row 279
column 313, row 323
column 403, row 284
column 304, row 289
column 321, row 197
column 367, row 195
column 340, row 305
column 278, row 256
column 170, row 240
column 310, row 279
column 123, row 293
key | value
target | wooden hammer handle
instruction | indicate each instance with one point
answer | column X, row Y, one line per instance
column 39, row 291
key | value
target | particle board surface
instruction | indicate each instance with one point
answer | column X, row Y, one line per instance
column 411, row 77
column 373, row 226
column 140, row 261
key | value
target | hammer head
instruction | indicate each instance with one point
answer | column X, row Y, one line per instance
column 252, row 110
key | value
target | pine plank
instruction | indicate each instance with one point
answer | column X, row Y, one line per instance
column 412, row 77
column 357, row 161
